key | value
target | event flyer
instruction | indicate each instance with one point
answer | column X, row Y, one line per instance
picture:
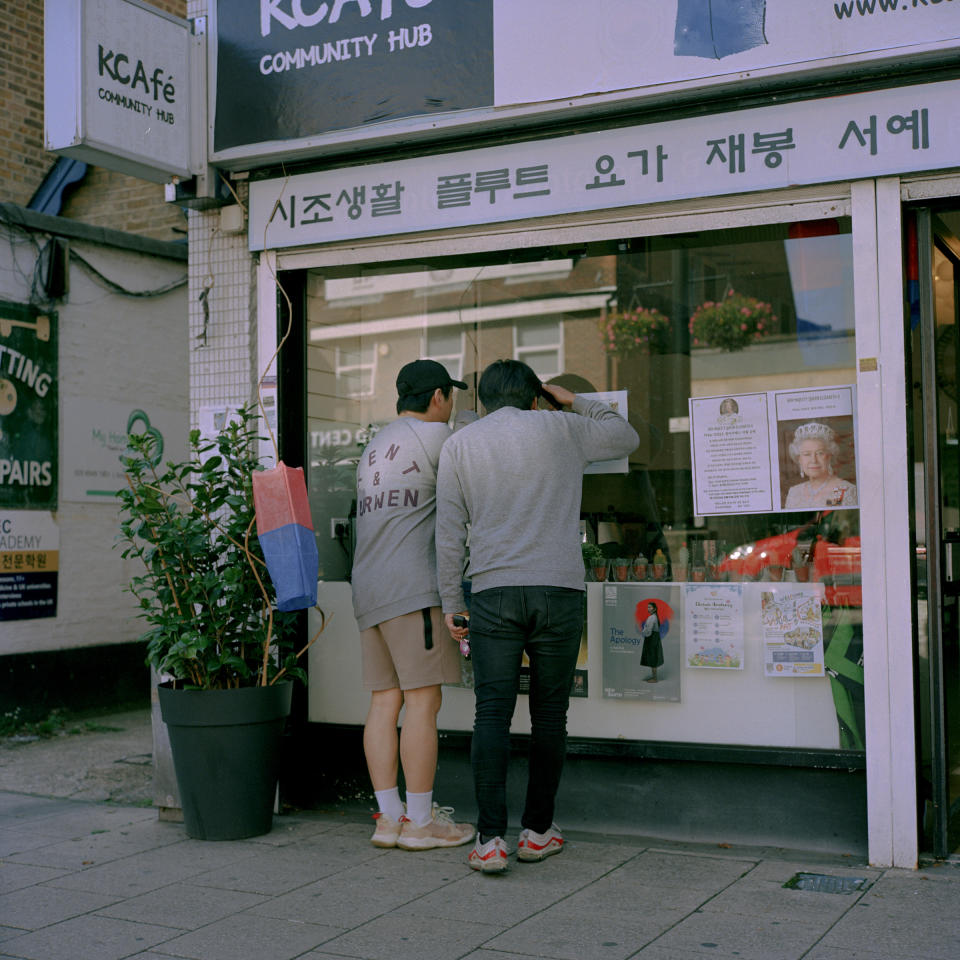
column 642, row 641
column 792, row 630
column 714, row 632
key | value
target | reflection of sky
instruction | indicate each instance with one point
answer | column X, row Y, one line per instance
column 821, row 274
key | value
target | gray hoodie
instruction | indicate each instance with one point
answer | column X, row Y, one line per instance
column 516, row 477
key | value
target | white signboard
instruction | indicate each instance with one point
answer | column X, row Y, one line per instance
column 95, row 438
column 608, row 45
column 294, row 77
column 859, row 135
column 116, row 86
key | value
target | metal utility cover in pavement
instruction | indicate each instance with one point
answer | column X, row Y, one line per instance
column 824, row 883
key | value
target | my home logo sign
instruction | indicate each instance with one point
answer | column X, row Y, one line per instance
column 129, row 112
column 288, row 69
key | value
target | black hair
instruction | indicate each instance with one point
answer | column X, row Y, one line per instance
column 508, row 383
column 418, row 402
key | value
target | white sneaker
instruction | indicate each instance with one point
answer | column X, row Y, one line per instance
column 439, row 831
column 387, row 830
column 534, row 846
column 489, row 857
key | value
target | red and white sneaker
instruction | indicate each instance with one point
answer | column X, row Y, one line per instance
column 489, row 857
column 535, row 846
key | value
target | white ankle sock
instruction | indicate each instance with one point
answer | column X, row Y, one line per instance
column 389, row 802
column 420, row 807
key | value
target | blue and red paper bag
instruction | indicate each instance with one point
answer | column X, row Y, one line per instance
column 286, row 535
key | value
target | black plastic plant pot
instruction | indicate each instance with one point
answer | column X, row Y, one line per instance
column 226, row 754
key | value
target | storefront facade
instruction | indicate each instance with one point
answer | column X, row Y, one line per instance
column 751, row 278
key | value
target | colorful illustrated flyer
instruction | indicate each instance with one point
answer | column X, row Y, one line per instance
column 792, row 630
column 785, row 450
column 714, row 625
column 642, row 641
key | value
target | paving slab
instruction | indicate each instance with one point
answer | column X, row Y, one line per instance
column 932, row 934
column 359, row 894
column 39, row 906
column 409, row 938
column 749, row 938
column 558, row 933
column 182, row 905
column 246, row 937
column 86, row 938
column 157, row 868
column 16, row 876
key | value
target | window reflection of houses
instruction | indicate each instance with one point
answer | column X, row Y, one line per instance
column 549, row 313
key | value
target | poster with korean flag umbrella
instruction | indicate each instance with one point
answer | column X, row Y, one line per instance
column 631, row 613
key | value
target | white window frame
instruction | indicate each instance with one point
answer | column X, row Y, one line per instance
column 457, row 372
column 342, row 369
column 521, row 353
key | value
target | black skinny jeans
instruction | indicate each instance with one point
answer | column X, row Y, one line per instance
column 547, row 623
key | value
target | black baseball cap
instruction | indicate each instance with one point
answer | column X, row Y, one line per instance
column 419, row 376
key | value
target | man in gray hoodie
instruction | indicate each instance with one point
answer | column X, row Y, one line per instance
column 407, row 652
column 514, row 478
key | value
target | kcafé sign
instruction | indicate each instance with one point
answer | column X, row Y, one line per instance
column 130, row 110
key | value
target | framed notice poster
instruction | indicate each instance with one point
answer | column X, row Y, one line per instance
column 775, row 452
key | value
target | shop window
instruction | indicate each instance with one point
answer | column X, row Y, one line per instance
column 733, row 355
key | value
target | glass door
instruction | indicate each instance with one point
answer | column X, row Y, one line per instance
column 935, row 340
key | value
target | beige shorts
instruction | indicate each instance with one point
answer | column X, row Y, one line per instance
column 396, row 654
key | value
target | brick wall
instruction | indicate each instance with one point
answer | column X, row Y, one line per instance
column 103, row 198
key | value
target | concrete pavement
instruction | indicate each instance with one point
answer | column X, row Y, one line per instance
column 88, row 873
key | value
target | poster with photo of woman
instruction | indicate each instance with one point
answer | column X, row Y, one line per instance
column 642, row 641
column 815, row 440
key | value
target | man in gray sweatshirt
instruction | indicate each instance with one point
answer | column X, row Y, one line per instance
column 406, row 649
column 514, row 480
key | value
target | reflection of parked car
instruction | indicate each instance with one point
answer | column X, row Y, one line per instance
column 820, row 550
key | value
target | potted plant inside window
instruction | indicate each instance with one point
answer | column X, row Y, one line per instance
column 594, row 561
column 732, row 322
column 229, row 657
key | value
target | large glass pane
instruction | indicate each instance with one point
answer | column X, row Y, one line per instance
column 732, row 353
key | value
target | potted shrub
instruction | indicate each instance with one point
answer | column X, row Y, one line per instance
column 640, row 330
column 212, row 628
column 731, row 323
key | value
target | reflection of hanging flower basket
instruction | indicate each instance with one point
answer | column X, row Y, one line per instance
column 732, row 323
column 640, row 330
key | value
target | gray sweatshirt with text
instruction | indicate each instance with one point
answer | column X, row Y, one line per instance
column 394, row 563
column 516, row 477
